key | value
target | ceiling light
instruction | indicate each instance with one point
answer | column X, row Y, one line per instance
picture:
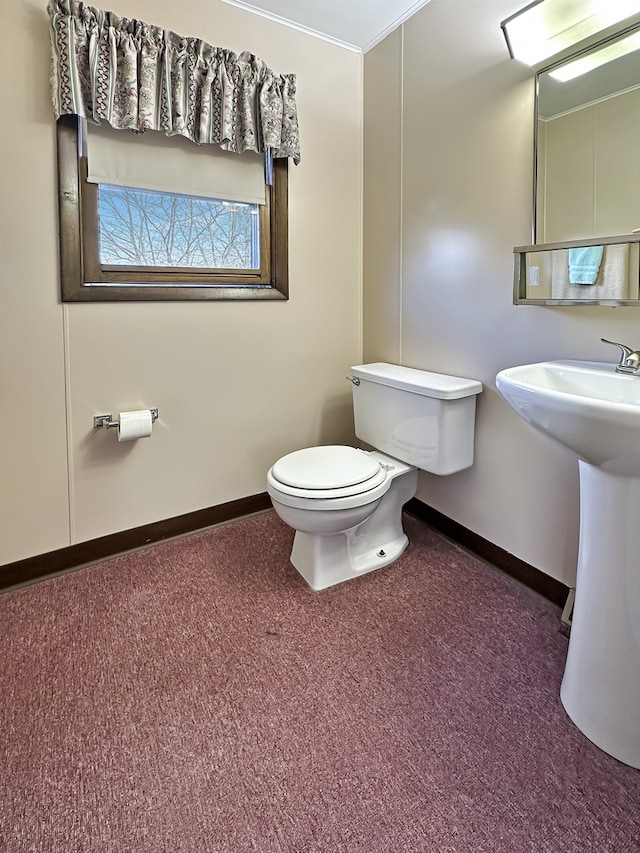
column 546, row 28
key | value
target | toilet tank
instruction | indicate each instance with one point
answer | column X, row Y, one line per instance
column 424, row 419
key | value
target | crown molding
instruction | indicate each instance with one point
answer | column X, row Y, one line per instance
column 249, row 7
column 410, row 12
column 292, row 25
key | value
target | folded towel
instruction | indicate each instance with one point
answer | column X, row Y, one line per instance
column 584, row 264
column 612, row 281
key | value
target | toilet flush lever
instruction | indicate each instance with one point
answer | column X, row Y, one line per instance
column 353, row 379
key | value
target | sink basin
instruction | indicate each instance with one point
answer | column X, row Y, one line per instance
column 594, row 411
column 585, row 405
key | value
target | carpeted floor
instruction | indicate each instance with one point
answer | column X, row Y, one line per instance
column 198, row 696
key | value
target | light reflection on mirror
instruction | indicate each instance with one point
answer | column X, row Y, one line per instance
column 587, row 132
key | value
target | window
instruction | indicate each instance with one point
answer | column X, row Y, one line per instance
column 130, row 243
column 159, row 229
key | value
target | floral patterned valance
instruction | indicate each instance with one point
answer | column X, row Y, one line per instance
column 139, row 76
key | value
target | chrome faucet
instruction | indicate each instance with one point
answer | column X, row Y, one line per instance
column 629, row 359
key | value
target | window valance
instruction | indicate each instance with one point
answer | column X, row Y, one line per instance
column 138, row 76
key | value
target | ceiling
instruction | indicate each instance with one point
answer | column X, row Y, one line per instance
column 354, row 24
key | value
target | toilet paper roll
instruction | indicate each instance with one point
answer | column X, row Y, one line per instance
column 133, row 425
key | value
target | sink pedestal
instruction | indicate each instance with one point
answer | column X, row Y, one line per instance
column 594, row 411
column 601, row 685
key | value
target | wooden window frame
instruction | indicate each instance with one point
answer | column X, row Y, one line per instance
column 84, row 279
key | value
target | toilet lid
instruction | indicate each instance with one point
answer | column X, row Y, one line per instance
column 327, row 468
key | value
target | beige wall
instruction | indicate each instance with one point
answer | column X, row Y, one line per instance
column 466, row 143
column 237, row 384
column 382, row 267
column 448, row 174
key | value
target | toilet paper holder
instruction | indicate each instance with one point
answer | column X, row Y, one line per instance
column 106, row 422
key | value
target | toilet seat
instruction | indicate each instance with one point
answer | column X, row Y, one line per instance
column 305, row 478
column 332, row 471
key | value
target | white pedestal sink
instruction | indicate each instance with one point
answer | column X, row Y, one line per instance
column 595, row 412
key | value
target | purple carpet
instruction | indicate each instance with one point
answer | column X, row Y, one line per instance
column 198, row 696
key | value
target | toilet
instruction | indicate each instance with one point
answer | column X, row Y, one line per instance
column 345, row 503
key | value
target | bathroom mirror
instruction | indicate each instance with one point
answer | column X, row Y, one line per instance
column 579, row 272
column 587, row 178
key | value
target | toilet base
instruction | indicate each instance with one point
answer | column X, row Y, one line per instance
column 325, row 560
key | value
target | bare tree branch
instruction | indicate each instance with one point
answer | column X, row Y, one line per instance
column 143, row 228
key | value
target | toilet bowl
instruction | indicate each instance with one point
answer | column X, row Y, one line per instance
column 345, row 504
